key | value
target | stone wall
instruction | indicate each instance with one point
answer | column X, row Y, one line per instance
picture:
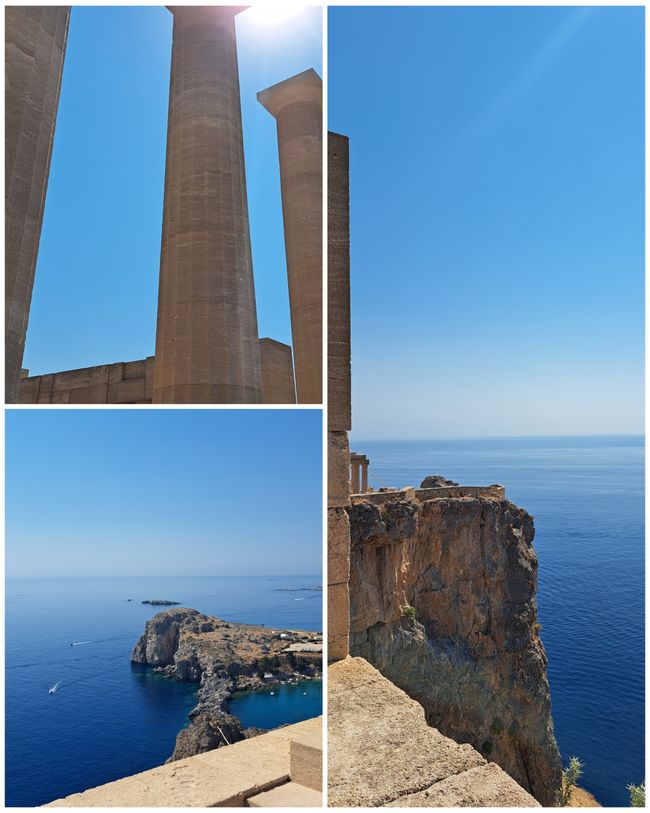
column 339, row 413
column 127, row 382
column 131, row 382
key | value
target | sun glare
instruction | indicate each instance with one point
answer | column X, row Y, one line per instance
column 271, row 12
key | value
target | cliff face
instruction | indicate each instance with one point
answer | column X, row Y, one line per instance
column 469, row 651
column 223, row 658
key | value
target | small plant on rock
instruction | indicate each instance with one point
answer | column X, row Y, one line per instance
column 637, row 795
column 408, row 611
column 570, row 776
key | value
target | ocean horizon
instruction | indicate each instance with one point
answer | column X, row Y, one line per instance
column 586, row 494
column 109, row 718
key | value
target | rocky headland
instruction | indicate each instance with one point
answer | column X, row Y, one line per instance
column 442, row 593
column 222, row 657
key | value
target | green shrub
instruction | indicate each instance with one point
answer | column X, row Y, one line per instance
column 497, row 726
column 637, row 795
column 487, row 748
column 570, row 776
column 408, row 611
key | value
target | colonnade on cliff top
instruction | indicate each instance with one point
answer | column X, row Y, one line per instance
column 207, row 344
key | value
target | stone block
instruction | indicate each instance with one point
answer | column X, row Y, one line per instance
column 306, row 760
column 338, row 621
column 28, row 390
column 338, row 546
column 290, row 794
column 97, row 394
column 126, row 392
column 338, row 470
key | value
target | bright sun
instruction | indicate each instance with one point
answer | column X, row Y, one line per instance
column 272, row 12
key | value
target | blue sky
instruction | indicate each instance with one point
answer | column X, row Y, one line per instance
column 497, row 215
column 96, row 288
column 163, row 492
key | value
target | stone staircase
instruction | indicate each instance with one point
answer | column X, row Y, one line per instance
column 305, row 785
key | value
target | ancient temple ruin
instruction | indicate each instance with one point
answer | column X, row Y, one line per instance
column 207, row 344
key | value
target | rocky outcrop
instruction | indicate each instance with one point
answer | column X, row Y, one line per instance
column 436, row 481
column 443, row 604
column 222, row 658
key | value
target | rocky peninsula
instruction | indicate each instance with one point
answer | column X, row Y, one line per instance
column 222, row 657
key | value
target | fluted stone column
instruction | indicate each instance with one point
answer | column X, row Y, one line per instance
column 364, row 477
column 35, row 42
column 296, row 104
column 355, row 480
column 206, row 343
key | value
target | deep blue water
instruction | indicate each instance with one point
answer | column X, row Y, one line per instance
column 278, row 705
column 587, row 497
column 108, row 718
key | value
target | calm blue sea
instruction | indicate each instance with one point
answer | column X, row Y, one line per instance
column 587, row 497
column 108, row 718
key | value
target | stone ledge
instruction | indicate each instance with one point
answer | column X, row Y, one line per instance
column 382, row 752
column 426, row 494
column 226, row 777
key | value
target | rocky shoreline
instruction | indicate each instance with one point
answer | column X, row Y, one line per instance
column 222, row 657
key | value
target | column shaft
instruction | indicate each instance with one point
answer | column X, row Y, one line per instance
column 297, row 106
column 355, row 484
column 35, row 42
column 364, row 478
column 206, row 343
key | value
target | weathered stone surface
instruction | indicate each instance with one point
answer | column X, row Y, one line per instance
column 485, row 786
column 223, row 778
column 207, row 348
column 339, row 407
column 128, row 382
column 380, row 747
column 277, row 372
column 338, row 469
column 296, row 104
column 222, row 657
column 290, row 794
column 35, row 43
column 338, row 546
column 472, row 656
column 306, row 754
column 338, row 621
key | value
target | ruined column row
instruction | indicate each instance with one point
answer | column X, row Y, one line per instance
column 207, row 346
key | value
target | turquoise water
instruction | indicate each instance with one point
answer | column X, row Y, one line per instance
column 279, row 705
column 110, row 718
column 587, row 497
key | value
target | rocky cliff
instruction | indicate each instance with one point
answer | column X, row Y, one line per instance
column 222, row 658
column 443, row 604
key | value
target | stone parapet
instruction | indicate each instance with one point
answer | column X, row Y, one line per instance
column 225, row 777
column 382, row 752
column 127, row 382
column 426, row 494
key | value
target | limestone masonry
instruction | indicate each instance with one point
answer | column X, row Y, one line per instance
column 207, row 344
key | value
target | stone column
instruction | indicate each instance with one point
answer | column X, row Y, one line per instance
column 339, row 413
column 206, row 343
column 355, row 482
column 35, row 42
column 297, row 106
column 364, row 476
column 277, row 372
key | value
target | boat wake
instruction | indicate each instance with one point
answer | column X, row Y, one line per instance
column 52, row 689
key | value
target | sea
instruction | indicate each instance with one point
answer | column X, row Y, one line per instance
column 109, row 718
column 587, row 498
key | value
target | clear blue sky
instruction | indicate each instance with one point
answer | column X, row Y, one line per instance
column 497, row 206
column 96, row 286
column 163, row 492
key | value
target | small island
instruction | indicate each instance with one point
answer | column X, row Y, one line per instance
column 159, row 602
